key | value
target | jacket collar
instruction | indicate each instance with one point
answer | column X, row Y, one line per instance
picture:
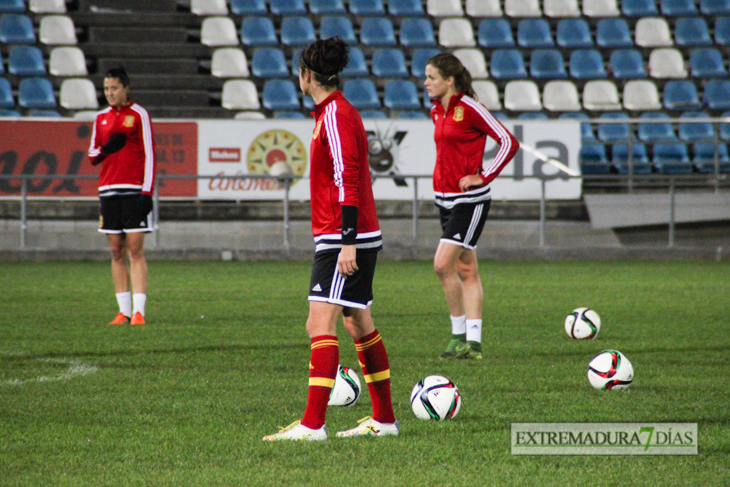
column 318, row 109
column 452, row 102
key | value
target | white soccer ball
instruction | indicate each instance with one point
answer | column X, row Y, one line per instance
column 610, row 370
column 280, row 168
column 582, row 323
column 346, row 390
column 435, row 397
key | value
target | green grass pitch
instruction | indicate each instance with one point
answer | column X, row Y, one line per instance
column 186, row 399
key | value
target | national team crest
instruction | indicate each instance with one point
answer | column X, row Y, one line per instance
column 458, row 114
column 316, row 130
column 128, row 121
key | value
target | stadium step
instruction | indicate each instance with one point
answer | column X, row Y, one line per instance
column 138, row 34
column 180, row 98
column 150, row 66
column 168, row 82
column 155, row 50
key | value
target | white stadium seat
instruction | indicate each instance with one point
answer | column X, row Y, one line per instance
column 250, row 116
column 600, row 95
column 218, row 31
column 78, row 94
column 240, row 94
column 667, row 63
column 47, row 6
column 522, row 8
column 456, row 33
column 600, row 8
column 488, row 94
column 561, row 8
column 653, row 32
column 209, row 7
column 57, row 30
column 522, row 96
column 473, row 60
column 229, row 62
column 561, row 96
column 641, row 95
column 483, row 8
column 444, row 8
column 67, row 61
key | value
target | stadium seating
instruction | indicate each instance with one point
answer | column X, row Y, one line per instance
column 532, row 116
column 667, row 63
column 229, row 62
column 209, row 7
column 287, row 7
column 704, row 157
column 653, row 32
column 377, row 114
column 695, row 132
column 676, row 8
column 280, row 94
column 16, row 29
column 377, row 31
column 483, row 8
column 327, row 7
column 534, row 33
column 522, row 96
column 78, row 94
column 474, row 61
column 361, row 93
column 367, row 7
column 44, row 114
column 627, row 63
column 239, row 94
column 412, row 115
column 47, row 6
column 715, row 7
column 249, row 7
column 2, row 66
column 26, row 61
column 692, row 32
column 456, row 32
column 639, row 8
column 522, row 8
column 600, row 8
column 444, row 8
column 560, row 96
column 12, row 6
column 613, row 132
column 419, row 59
column 707, row 63
column 257, row 32
column 655, row 132
column 356, row 65
column 417, row 32
column 297, row 31
column 613, row 33
column 405, row 8
column 389, row 63
column 218, row 31
column 722, row 31
column 487, row 93
column 586, row 129
column 508, row 64
column 289, row 115
column 639, row 163
column 587, row 64
column 67, row 61
column 9, row 113
column 641, row 95
column 717, row 95
column 561, row 8
column 681, row 95
column 57, row 30
column 269, row 62
column 495, row 33
column 250, row 116
column 573, row 33
column 593, row 159
column 401, row 95
column 671, row 159
column 338, row 26
column 6, row 94
column 547, row 63
column 36, row 93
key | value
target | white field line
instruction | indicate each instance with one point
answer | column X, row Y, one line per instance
column 75, row 369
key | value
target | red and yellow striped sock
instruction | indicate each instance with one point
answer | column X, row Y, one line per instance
column 375, row 367
column 322, row 372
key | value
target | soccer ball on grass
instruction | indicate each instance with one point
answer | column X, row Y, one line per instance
column 582, row 323
column 610, row 370
column 435, row 397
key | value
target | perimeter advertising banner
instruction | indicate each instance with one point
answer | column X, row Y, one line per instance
column 59, row 147
column 232, row 150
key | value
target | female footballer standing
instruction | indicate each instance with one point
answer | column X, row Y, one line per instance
column 123, row 141
column 347, row 240
column 461, row 184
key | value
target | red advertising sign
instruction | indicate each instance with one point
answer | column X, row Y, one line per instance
column 60, row 148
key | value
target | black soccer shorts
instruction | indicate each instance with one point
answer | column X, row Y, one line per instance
column 463, row 224
column 122, row 214
column 327, row 285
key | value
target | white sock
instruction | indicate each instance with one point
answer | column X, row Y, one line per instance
column 125, row 303
column 458, row 325
column 474, row 331
column 139, row 301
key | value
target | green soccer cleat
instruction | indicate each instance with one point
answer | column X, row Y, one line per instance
column 451, row 349
column 467, row 352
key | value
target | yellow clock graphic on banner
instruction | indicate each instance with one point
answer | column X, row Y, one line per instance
column 277, row 152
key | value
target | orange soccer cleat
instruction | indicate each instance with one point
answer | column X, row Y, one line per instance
column 120, row 320
column 137, row 319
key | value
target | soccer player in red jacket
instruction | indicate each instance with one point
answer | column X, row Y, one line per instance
column 347, row 240
column 123, row 143
column 461, row 186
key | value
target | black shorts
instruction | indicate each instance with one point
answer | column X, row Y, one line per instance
column 327, row 285
column 463, row 224
column 122, row 214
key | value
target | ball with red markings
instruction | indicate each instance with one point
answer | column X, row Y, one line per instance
column 610, row 370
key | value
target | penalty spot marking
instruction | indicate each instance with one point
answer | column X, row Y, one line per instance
column 75, row 369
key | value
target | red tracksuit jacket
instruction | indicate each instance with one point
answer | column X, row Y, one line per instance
column 132, row 169
column 460, row 135
column 339, row 174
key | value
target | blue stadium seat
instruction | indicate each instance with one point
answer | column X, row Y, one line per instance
column 12, row 6
column 290, row 115
column 356, row 65
column 419, row 59
column 327, row 7
column 401, row 95
column 533, row 33
column 417, row 32
column 639, row 159
column 26, row 61
column 593, row 159
column 627, row 64
column 258, row 31
column 532, row 116
column 613, row 132
column 376, row 114
column 656, row 132
column 249, row 7
column 671, row 159
column 412, row 115
column 587, row 64
column 44, row 113
column 405, row 8
column 573, row 33
column 389, row 62
column 613, row 33
column 722, row 31
column 495, row 33
column 9, row 113
column 2, row 66
column 508, row 64
column 725, row 127
column 16, row 29
column 36, row 93
column 287, row 7
column 695, row 132
column 269, row 62
column 280, row 94
column 361, row 93
column 377, row 31
column 308, row 102
column 547, row 63
column 704, row 157
column 6, row 94
column 691, row 32
column 586, row 129
column 678, row 8
column 707, row 63
column 717, row 95
column 295, row 55
column 639, row 8
column 338, row 26
column 367, row 7
column 715, row 7
column 297, row 31
column 681, row 95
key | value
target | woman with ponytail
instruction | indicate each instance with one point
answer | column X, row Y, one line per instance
column 461, row 184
